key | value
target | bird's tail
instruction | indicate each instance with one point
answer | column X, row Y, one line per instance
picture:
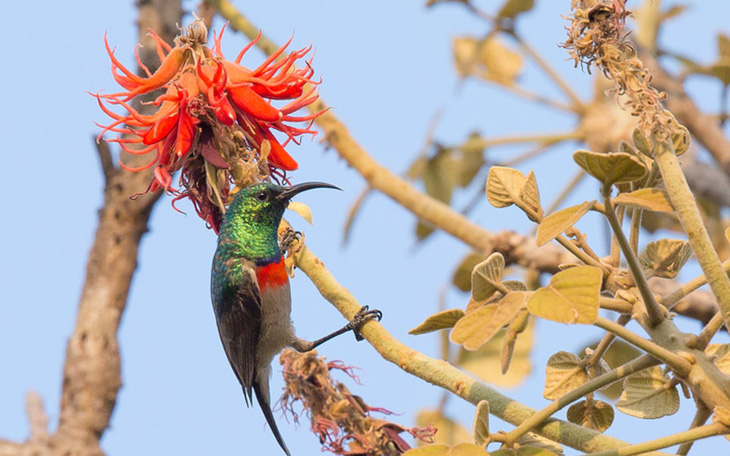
column 261, row 389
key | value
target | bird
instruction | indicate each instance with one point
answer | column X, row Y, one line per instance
column 250, row 291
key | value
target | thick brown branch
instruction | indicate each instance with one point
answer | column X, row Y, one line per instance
column 91, row 376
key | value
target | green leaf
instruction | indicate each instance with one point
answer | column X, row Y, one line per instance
column 514, row 285
column 480, row 429
column 647, row 394
column 556, row 223
column 613, row 168
column 681, row 137
column 476, row 328
column 438, row 176
column 564, row 373
column 469, row 159
column 642, row 143
column 512, row 8
column 665, row 257
column 570, row 297
column 441, row 320
column 462, row 276
column 504, row 186
column 533, row 440
column 486, row 276
column 653, row 199
column 593, row 414
column 627, row 148
column 618, row 354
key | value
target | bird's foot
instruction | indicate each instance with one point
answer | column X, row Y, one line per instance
column 361, row 317
column 288, row 238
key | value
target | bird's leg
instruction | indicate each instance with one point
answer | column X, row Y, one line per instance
column 288, row 238
column 363, row 315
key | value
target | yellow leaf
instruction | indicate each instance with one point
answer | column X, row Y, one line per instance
column 647, row 394
column 721, row 356
column 530, row 196
column 509, row 341
column 564, row 373
column 476, row 328
column 523, row 451
column 556, row 223
column 302, row 209
column 486, row 276
column 613, row 168
column 428, row 450
column 594, row 414
column 485, row 363
column 500, row 64
column 570, row 297
column 449, row 431
column 480, row 429
column 512, row 8
column 504, row 186
column 465, row 55
column 721, row 415
column 653, row 199
column 467, row 449
column 442, row 320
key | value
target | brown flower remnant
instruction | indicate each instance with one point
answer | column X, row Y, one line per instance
column 340, row 419
column 215, row 117
column 597, row 36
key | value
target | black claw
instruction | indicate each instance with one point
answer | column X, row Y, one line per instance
column 288, row 238
column 363, row 315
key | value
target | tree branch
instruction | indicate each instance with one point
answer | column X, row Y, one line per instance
column 441, row 373
column 91, row 374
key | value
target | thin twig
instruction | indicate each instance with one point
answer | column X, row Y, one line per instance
column 654, row 311
column 675, row 361
column 670, row 440
column 700, row 418
column 641, row 363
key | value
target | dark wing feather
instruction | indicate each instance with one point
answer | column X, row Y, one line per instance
column 238, row 314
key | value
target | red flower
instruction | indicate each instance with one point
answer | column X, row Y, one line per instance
column 214, row 121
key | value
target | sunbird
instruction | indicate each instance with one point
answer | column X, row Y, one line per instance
column 250, row 291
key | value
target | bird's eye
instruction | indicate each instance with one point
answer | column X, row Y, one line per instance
column 263, row 196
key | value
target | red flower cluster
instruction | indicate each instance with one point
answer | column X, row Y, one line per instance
column 214, row 117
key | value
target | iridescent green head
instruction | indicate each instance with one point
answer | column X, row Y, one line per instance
column 265, row 202
column 254, row 215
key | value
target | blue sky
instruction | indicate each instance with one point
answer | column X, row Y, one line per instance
column 386, row 68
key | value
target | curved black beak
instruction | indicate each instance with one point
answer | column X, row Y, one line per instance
column 291, row 192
